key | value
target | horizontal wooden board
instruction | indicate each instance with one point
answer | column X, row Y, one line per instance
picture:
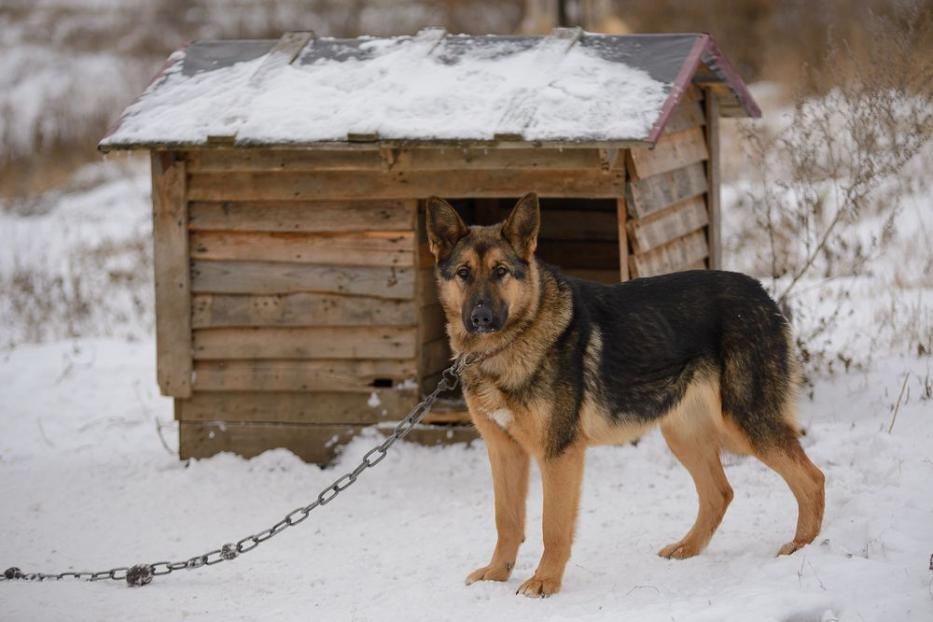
column 312, row 443
column 319, row 444
column 687, row 115
column 226, row 310
column 327, row 185
column 302, row 216
column 407, row 159
column 264, row 277
column 318, row 342
column 662, row 227
column 297, row 407
column 679, row 254
column 301, row 376
column 647, row 196
column 362, row 248
column 672, row 151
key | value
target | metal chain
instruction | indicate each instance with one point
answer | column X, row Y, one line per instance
column 142, row 574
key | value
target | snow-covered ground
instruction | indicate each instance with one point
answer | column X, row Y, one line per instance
column 89, row 477
column 87, row 483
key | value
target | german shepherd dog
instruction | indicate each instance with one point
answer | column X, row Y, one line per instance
column 563, row 363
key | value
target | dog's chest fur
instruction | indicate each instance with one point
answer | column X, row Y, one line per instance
column 489, row 397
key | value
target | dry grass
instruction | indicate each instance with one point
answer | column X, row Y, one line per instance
column 830, row 184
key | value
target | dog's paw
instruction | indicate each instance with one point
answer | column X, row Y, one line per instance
column 498, row 572
column 791, row 547
column 539, row 587
column 679, row 550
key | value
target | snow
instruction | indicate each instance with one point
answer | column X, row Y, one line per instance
column 90, row 479
column 402, row 88
column 87, row 483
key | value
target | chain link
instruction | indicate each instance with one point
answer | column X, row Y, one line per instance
column 142, row 574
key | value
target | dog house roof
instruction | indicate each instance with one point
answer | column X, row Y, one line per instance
column 568, row 87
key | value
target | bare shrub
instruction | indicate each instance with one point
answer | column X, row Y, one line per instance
column 830, row 184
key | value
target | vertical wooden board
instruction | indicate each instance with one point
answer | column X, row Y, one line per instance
column 647, row 196
column 671, row 223
column 435, row 356
column 714, row 229
column 621, row 216
column 172, row 275
column 327, row 407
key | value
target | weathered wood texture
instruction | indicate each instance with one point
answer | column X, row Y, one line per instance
column 687, row 115
column 302, row 375
column 396, row 159
column 680, row 254
column 301, row 216
column 671, row 152
column 714, row 229
column 302, row 309
column 365, row 248
column 622, row 235
column 318, row 342
column 264, row 277
column 333, row 185
column 172, row 278
column 647, row 196
column 312, row 443
column 673, row 222
column 326, row 407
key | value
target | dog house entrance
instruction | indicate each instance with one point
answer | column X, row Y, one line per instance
column 581, row 236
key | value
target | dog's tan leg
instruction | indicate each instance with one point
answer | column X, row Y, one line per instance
column 562, row 478
column 805, row 480
column 696, row 445
column 510, row 484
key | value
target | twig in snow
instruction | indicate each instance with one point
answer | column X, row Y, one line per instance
column 897, row 406
column 641, row 587
column 42, row 432
column 162, row 438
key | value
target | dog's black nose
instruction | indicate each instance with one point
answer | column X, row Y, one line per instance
column 481, row 317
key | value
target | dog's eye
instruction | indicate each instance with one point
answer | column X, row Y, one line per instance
column 463, row 273
column 501, row 271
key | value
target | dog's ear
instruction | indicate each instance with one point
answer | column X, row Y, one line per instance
column 520, row 229
column 445, row 227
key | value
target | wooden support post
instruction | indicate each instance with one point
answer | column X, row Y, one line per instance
column 172, row 275
column 622, row 217
column 714, row 231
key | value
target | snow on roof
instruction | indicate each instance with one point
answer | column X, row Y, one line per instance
column 567, row 87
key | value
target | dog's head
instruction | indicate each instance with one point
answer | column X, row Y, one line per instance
column 486, row 275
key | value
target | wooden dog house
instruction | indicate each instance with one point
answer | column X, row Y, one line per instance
column 295, row 298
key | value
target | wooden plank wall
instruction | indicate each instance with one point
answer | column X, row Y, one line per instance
column 312, row 296
column 305, row 321
column 671, row 222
